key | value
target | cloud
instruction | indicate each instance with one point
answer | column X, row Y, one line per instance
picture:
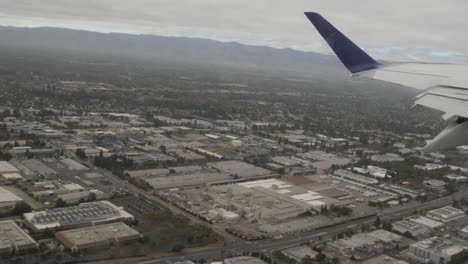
column 421, row 28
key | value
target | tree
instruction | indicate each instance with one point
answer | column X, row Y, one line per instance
column 387, row 226
column 60, row 203
column 320, row 257
column 92, row 197
column 178, row 248
column 28, row 154
column 307, row 260
column 48, row 232
column 163, row 149
column 22, row 208
column 190, row 239
column 409, row 235
column 377, row 222
column 80, row 153
column 460, row 258
column 349, row 233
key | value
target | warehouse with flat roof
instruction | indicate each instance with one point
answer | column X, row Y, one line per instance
column 434, row 250
column 8, row 201
column 445, row 214
column 6, row 167
column 239, row 168
column 415, row 229
column 14, row 239
column 432, row 224
column 299, row 252
column 98, row 236
column 85, row 214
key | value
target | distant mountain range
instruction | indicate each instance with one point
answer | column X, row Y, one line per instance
column 181, row 49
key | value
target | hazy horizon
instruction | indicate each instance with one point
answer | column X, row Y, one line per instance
column 417, row 35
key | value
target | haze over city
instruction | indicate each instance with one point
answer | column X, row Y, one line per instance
column 417, row 30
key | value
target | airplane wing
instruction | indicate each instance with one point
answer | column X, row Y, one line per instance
column 445, row 85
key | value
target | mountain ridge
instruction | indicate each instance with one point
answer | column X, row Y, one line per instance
column 188, row 49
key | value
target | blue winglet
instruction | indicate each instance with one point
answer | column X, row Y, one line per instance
column 353, row 57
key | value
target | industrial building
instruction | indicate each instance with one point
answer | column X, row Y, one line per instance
column 415, row 229
column 345, row 174
column 463, row 233
column 85, row 214
column 98, row 236
column 38, row 167
column 299, row 252
column 239, row 168
column 364, row 245
column 402, row 190
column 457, row 178
column 435, row 185
column 8, row 201
column 220, row 214
column 445, row 214
column 378, row 172
column 10, row 178
column 74, row 165
column 431, row 224
column 268, row 204
column 185, row 180
column 388, row 157
column 435, row 250
column 6, row 167
column 76, row 197
column 290, row 161
column 323, row 160
column 14, row 239
column 384, row 259
column 243, row 260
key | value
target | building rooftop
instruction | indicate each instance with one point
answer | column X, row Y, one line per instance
column 73, row 187
column 197, row 178
column 384, row 259
column 74, row 165
column 239, row 168
column 269, row 183
column 385, row 236
column 427, row 222
column 442, row 246
column 359, row 240
column 435, row 183
column 243, row 260
column 409, row 225
column 5, row 166
column 13, row 175
column 11, row 235
column 300, row 252
column 446, row 212
column 456, row 177
column 388, row 157
column 8, row 197
column 86, row 212
column 94, row 234
column 464, row 230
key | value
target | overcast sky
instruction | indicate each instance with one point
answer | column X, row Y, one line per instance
column 398, row 29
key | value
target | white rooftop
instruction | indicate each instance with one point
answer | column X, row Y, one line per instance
column 8, row 197
column 266, row 184
column 5, row 166
column 427, row 222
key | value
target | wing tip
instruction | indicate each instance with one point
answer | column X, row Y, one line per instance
column 313, row 16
